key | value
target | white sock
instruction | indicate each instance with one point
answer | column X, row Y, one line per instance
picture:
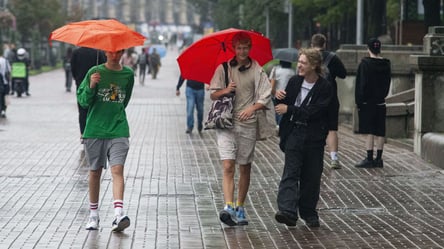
column 334, row 155
column 118, row 207
column 93, row 212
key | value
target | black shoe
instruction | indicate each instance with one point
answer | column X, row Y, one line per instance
column 378, row 163
column 28, row 94
column 188, row 131
column 365, row 164
column 312, row 221
column 281, row 217
column 199, row 129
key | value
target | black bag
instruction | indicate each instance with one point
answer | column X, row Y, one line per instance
column 220, row 115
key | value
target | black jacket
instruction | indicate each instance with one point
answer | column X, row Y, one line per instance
column 372, row 81
column 82, row 60
column 312, row 117
column 336, row 69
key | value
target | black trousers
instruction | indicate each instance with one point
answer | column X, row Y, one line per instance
column 299, row 187
column 83, row 113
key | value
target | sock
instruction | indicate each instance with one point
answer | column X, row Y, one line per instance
column 239, row 204
column 379, row 154
column 93, row 209
column 370, row 155
column 334, row 155
column 231, row 204
column 118, row 207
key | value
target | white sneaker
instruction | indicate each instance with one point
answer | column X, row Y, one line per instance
column 93, row 223
column 120, row 223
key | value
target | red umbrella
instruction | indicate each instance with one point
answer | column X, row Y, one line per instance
column 199, row 61
column 107, row 35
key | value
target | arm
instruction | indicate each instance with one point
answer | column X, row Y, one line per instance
column 129, row 91
column 87, row 89
column 338, row 68
column 179, row 84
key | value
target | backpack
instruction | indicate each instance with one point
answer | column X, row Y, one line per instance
column 325, row 62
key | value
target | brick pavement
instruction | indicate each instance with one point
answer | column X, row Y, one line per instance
column 173, row 184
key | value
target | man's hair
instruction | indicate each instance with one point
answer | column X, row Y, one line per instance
column 318, row 40
column 241, row 38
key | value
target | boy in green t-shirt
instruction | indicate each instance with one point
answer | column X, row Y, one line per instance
column 106, row 91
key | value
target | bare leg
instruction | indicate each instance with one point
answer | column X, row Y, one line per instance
column 369, row 142
column 379, row 142
column 244, row 182
column 332, row 141
column 228, row 180
column 94, row 185
column 118, row 183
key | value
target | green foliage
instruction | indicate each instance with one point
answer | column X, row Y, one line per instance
column 32, row 15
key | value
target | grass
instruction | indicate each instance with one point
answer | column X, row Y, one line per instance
column 44, row 69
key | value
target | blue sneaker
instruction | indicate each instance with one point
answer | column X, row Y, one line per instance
column 228, row 216
column 240, row 215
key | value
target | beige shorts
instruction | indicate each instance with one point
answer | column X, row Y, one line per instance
column 237, row 143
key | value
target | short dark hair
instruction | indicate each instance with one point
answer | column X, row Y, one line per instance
column 241, row 38
column 374, row 45
column 318, row 40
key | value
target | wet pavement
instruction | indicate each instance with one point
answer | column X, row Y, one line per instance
column 173, row 183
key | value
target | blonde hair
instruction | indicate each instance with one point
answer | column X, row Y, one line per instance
column 314, row 57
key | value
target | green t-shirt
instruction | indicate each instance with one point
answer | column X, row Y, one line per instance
column 106, row 102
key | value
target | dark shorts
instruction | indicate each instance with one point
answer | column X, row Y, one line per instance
column 333, row 114
column 372, row 119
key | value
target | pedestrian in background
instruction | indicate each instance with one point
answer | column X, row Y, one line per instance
column 106, row 90
column 142, row 61
column 372, row 87
column 195, row 93
column 82, row 60
column 5, row 70
column 236, row 145
column 67, row 67
column 334, row 68
column 155, row 63
column 303, row 130
column 279, row 77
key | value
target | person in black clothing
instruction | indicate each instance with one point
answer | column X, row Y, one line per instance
column 335, row 69
column 195, row 94
column 372, row 86
column 82, row 60
column 67, row 67
column 303, row 130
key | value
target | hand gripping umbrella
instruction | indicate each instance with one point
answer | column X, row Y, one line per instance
column 200, row 60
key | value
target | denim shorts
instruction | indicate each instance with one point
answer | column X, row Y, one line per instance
column 99, row 151
column 237, row 143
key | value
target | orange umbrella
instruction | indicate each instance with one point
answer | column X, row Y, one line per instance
column 107, row 35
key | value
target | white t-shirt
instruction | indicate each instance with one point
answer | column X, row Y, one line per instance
column 305, row 88
column 281, row 75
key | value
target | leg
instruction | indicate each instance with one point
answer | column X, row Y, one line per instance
column 244, row 182
column 190, row 108
column 228, row 180
column 200, row 96
column 288, row 193
column 118, row 182
column 310, row 183
column 94, row 185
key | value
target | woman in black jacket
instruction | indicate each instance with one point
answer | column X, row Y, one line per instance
column 303, row 130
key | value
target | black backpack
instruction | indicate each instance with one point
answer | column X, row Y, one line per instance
column 325, row 62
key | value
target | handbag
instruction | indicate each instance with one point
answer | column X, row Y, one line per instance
column 220, row 115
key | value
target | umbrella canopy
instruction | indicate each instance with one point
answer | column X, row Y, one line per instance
column 286, row 54
column 199, row 61
column 107, row 35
